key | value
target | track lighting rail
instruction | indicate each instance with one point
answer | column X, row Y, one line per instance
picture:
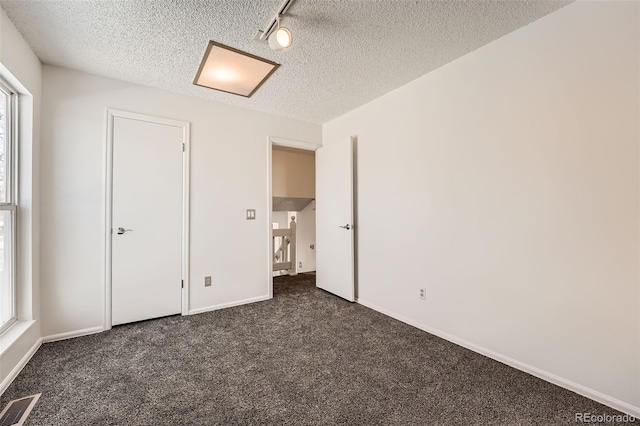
column 263, row 35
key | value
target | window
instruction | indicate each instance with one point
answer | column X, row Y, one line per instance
column 8, row 206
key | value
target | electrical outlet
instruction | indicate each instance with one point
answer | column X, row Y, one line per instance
column 299, row 264
column 207, row 281
column 423, row 294
column 251, row 214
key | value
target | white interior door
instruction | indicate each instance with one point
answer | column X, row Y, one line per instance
column 146, row 274
column 334, row 219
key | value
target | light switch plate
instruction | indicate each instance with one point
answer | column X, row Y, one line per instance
column 251, row 214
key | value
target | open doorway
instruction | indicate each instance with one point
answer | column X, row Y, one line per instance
column 292, row 225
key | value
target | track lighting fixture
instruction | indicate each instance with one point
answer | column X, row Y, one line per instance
column 279, row 37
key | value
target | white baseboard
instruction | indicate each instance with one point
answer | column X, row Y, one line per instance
column 229, row 305
column 71, row 334
column 18, row 368
column 534, row 371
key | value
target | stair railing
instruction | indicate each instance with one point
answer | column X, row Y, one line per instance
column 284, row 258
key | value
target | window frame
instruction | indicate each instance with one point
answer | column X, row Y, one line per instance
column 10, row 203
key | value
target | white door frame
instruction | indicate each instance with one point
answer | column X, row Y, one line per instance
column 291, row 144
column 108, row 203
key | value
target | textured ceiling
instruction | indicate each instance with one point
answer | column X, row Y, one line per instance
column 344, row 54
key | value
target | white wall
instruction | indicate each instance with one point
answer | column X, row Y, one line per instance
column 229, row 151
column 306, row 235
column 282, row 219
column 516, row 171
column 22, row 69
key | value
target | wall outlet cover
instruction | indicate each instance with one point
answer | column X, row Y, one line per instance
column 207, row 281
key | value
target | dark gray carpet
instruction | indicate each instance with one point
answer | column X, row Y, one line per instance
column 304, row 357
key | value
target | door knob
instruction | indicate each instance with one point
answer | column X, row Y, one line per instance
column 122, row 231
column 347, row 226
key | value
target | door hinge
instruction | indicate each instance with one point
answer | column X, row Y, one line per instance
column 182, row 284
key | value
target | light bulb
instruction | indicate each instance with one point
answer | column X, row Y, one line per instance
column 280, row 39
column 284, row 37
column 223, row 74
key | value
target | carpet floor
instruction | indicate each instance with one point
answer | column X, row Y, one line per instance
column 305, row 357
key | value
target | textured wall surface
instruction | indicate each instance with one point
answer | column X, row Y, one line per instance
column 517, row 169
column 229, row 151
column 345, row 53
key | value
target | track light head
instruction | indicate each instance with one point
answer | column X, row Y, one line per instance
column 281, row 38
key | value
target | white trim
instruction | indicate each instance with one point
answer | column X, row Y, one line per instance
column 291, row 144
column 108, row 204
column 146, row 118
column 72, row 334
column 229, row 304
column 352, row 219
column 534, row 371
column 11, row 202
column 14, row 334
column 269, row 216
column 108, row 218
column 18, row 368
column 186, row 206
